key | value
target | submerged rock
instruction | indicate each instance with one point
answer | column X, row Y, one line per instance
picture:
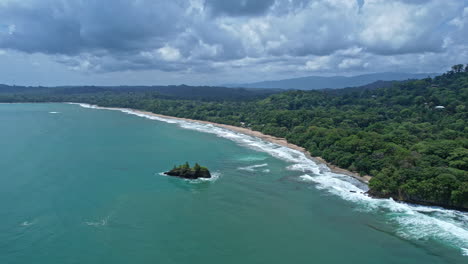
column 186, row 172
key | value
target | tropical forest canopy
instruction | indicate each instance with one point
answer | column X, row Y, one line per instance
column 411, row 136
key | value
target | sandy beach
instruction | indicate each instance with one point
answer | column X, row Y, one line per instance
column 279, row 141
column 247, row 131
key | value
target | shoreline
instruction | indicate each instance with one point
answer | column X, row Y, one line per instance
column 246, row 131
column 275, row 140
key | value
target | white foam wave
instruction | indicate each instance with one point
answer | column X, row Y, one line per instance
column 252, row 158
column 87, row 106
column 254, row 167
column 464, row 251
column 26, row 223
column 54, row 112
column 214, row 177
column 103, row 222
column 167, row 120
column 414, row 222
column 305, row 167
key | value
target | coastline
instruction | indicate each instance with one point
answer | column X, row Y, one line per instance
column 279, row 141
column 432, row 223
column 246, row 131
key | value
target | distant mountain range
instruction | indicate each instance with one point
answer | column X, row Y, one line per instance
column 333, row 82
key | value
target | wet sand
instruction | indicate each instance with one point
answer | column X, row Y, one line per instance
column 272, row 139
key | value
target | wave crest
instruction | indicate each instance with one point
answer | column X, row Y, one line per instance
column 414, row 221
column 253, row 168
column 103, row 222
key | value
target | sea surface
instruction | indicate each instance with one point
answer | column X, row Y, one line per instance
column 83, row 185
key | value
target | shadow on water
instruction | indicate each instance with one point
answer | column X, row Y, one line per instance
column 412, row 243
column 121, row 169
column 293, row 181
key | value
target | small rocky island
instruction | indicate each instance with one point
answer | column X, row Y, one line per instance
column 186, row 172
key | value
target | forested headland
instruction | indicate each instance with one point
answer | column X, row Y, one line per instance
column 410, row 136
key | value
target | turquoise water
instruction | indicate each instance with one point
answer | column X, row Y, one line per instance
column 83, row 185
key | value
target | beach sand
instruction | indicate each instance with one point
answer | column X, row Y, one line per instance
column 275, row 140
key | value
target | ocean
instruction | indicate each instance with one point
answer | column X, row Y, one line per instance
column 79, row 184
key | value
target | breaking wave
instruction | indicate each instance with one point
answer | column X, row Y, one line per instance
column 26, row 223
column 214, row 177
column 252, row 158
column 255, row 168
column 103, row 222
column 412, row 221
column 87, row 106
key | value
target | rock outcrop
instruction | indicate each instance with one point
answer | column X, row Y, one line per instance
column 186, row 172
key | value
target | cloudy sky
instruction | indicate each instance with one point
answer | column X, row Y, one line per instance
column 111, row 42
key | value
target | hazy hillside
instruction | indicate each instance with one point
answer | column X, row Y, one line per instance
column 172, row 91
column 333, row 82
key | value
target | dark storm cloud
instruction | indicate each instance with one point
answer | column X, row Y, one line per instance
column 207, row 35
column 39, row 29
column 239, row 7
column 68, row 27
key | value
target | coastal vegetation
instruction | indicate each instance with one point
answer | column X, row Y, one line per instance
column 187, row 172
column 410, row 136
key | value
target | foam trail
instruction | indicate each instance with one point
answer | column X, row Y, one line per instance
column 54, row 112
column 252, row 158
column 103, row 222
column 254, row 167
column 26, row 223
column 413, row 221
column 88, row 106
column 214, row 177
